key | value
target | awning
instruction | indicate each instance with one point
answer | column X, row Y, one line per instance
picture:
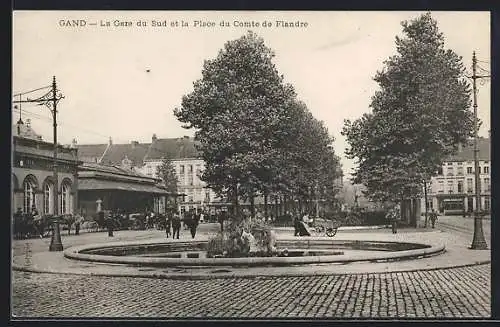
column 96, row 185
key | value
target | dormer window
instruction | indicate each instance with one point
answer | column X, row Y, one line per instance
column 126, row 162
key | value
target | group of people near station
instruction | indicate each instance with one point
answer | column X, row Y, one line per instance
column 174, row 220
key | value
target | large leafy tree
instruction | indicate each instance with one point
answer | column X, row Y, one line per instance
column 419, row 115
column 236, row 109
column 255, row 137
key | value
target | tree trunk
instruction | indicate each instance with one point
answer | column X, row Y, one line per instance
column 277, row 206
column 265, row 204
column 235, row 200
column 426, row 202
column 252, row 205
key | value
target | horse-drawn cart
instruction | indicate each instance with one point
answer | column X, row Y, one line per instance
column 325, row 226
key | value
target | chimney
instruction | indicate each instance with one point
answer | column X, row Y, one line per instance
column 110, row 141
column 154, row 138
column 134, row 144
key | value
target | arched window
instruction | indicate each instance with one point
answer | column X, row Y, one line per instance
column 29, row 195
column 65, row 199
column 48, row 198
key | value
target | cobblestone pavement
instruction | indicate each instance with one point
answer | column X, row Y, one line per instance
column 451, row 293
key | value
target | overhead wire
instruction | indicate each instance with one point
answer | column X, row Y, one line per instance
column 49, row 119
column 39, row 116
column 31, row 91
column 486, row 71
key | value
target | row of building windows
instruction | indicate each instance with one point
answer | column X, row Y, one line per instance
column 460, row 186
column 29, row 200
column 197, row 195
column 460, row 170
column 460, row 163
column 189, row 179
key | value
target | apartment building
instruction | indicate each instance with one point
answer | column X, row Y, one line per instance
column 453, row 190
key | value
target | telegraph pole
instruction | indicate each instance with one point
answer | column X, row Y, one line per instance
column 50, row 100
column 55, row 242
column 478, row 241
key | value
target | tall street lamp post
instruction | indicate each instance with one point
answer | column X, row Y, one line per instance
column 50, row 100
column 478, row 241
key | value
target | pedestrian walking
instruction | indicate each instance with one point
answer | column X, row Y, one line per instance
column 222, row 218
column 193, row 224
column 296, row 222
column 37, row 221
column 78, row 222
column 176, row 225
column 109, row 224
column 393, row 216
column 433, row 217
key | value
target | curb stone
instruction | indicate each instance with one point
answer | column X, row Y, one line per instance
column 231, row 276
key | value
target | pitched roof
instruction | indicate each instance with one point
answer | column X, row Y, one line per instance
column 135, row 152
column 93, row 184
column 467, row 151
column 173, row 148
column 91, row 150
column 111, row 169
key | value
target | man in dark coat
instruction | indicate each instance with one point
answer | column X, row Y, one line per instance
column 393, row 217
column 193, row 223
column 296, row 222
column 221, row 217
column 176, row 225
column 109, row 223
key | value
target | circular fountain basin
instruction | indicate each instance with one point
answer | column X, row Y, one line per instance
column 299, row 252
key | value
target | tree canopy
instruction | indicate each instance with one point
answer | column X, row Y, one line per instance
column 255, row 136
column 166, row 171
column 419, row 114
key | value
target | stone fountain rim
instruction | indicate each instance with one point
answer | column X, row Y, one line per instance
column 75, row 254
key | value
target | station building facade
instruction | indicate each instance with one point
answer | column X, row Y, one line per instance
column 33, row 184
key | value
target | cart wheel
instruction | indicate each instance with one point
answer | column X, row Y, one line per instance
column 330, row 232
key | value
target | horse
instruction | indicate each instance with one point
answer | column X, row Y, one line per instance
column 22, row 225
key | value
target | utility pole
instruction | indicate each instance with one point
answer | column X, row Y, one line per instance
column 50, row 100
column 478, row 241
column 55, row 242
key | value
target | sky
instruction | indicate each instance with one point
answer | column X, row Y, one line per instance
column 123, row 80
